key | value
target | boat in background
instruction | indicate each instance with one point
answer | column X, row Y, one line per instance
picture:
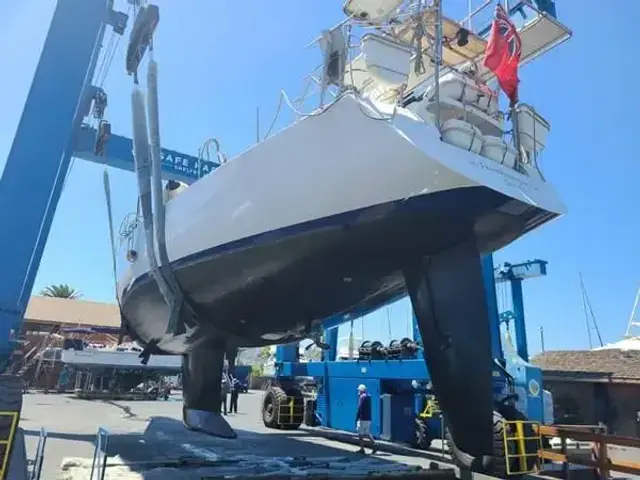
column 114, row 358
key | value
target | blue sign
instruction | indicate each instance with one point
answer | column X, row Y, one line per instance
column 174, row 163
column 119, row 154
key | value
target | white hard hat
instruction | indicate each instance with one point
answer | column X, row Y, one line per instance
column 362, row 388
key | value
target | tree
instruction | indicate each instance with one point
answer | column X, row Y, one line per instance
column 60, row 291
column 264, row 354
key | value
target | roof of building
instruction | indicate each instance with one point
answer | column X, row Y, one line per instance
column 612, row 365
column 63, row 311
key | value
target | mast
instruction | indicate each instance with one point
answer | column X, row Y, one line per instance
column 588, row 314
column 632, row 321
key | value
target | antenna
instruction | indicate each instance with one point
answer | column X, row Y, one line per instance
column 542, row 338
column 633, row 322
column 589, row 316
column 257, row 124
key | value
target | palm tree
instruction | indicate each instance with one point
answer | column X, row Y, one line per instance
column 60, row 291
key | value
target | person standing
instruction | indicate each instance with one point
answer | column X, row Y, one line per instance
column 363, row 420
column 224, row 390
column 235, row 392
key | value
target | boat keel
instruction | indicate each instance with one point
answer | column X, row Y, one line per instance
column 448, row 298
column 201, row 389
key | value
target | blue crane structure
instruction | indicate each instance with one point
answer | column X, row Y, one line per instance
column 54, row 128
column 63, row 77
column 393, row 380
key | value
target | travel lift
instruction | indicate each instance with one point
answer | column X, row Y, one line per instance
column 63, row 102
column 397, row 379
column 65, row 110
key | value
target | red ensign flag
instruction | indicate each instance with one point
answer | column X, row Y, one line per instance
column 502, row 55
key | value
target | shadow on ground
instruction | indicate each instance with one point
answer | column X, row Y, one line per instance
column 435, row 454
column 169, row 448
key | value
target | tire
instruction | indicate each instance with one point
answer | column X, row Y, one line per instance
column 11, row 388
column 310, row 413
column 297, row 419
column 423, row 438
column 509, row 412
column 271, row 404
column 465, row 461
column 498, row 464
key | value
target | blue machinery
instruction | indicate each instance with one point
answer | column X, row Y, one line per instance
column 392, row 381
column 54, row 127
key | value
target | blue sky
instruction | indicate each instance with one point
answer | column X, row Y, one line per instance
column 219, row 60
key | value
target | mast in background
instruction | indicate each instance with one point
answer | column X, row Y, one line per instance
column 589, row 316
column 634, row 324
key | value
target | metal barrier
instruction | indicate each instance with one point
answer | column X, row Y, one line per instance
column 36, row 471
column 600, row 459
column 520, row 440
column 99, row 464
column 7, row 442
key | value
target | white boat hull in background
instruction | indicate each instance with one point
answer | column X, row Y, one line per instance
column 113, row 359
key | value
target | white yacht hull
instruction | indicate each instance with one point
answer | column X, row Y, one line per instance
column 333, row 171
column 111, row 359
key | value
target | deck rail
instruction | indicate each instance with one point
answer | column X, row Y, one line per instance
column 600, row 441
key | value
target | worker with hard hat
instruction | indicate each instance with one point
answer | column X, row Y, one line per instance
column 363, row 419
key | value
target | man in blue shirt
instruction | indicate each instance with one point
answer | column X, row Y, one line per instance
column 363, row 419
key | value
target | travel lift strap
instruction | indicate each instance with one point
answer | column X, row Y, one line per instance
column 146, row 152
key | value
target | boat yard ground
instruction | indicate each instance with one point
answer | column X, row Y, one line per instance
column 72, row 425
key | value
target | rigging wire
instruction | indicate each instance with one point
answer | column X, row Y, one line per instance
column 114, row 263
column 589, row 316
column 100, row 77
column 389, row 322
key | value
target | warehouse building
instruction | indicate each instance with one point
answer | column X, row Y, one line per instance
column 593, row 386
column 43, row 313
column 45, row 331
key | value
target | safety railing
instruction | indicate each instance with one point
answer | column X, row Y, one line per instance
column 6, row 440
column 99, row 464
column 36, row 469
column 600, row 455
column 519, row 457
